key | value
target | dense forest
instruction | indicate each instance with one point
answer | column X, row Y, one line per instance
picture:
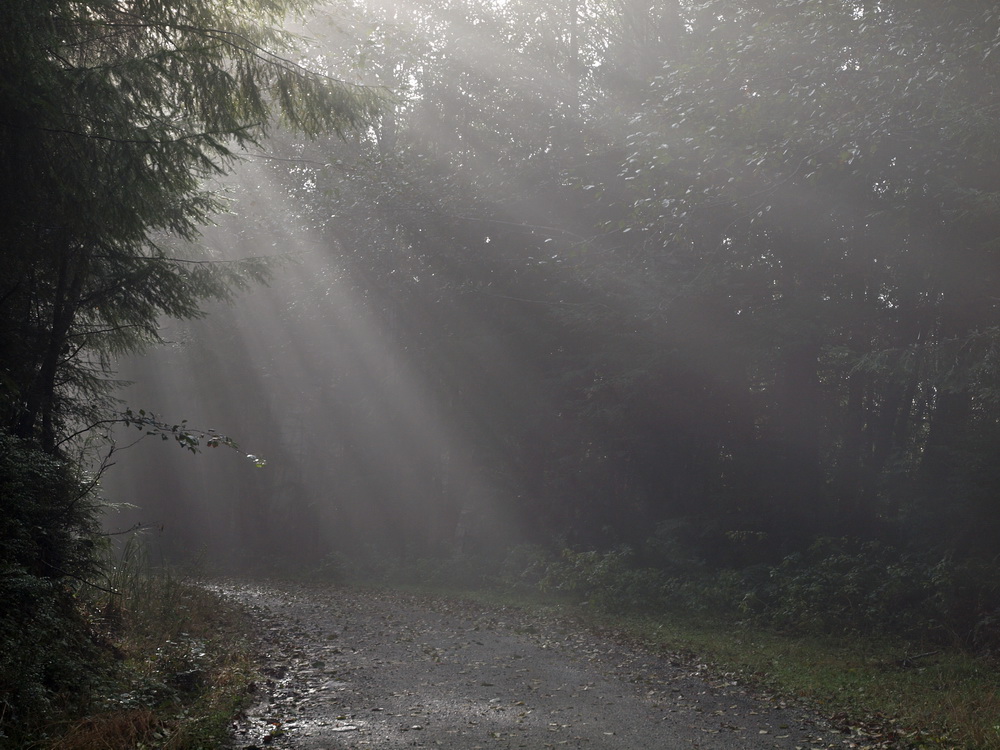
column 679, row 303
column 607, row 268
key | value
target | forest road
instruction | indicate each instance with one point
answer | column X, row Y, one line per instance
column 382, row 670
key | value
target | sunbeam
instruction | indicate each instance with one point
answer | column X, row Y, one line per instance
column 595, row 268
column 684, row 309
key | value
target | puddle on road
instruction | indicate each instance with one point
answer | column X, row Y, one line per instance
column 255, row 732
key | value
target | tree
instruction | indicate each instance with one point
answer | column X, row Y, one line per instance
column 825, row 171
column 653, row 260
column 114, row 115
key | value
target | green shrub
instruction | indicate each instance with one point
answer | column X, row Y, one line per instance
column 837, row 586
column 965, row 601
column 607, row 579
column 47, row 523
column 844, row 586
column 524, row 567
column 840, row 585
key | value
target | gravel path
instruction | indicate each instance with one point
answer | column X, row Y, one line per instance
column 374, row 669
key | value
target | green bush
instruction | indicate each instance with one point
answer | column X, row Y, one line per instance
column 47, row 522
column 844, row 586
column 837, row 586
column 965, row 602
column 840, row 585
column 524, row 567
column 607, row 579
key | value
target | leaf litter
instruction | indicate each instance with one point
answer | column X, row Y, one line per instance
column 415, row 671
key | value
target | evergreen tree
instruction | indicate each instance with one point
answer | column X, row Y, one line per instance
column 114, row 115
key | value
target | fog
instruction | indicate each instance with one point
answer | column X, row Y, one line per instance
column 315, row 374
column 668, row 275
column 683, row 310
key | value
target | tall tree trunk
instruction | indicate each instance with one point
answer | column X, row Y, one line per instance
column 38, row 418
column 850, row 480
column 943, row 453
column 651, row 34
column 799, row 476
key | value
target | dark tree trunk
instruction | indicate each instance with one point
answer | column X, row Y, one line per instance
column 798, row 477
column 38, row 419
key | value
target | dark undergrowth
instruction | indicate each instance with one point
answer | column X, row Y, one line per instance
column 97, row 650
column 169, row 665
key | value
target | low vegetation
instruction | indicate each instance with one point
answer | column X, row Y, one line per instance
column 897, row 650
column 155, row 662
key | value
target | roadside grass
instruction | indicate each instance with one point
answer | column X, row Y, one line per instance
column 181, row 664
column 935, row 699
column 899, row 694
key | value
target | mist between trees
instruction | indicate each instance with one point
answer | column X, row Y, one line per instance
column 704, row 294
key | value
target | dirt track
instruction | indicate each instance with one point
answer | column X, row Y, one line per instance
column 350, row 669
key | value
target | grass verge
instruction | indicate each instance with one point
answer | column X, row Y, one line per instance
column 901, row 695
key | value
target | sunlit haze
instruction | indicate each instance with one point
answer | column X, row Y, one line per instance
column 598, row 269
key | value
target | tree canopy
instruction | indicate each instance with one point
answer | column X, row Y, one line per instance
column 727, row 262
column 114, row 115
